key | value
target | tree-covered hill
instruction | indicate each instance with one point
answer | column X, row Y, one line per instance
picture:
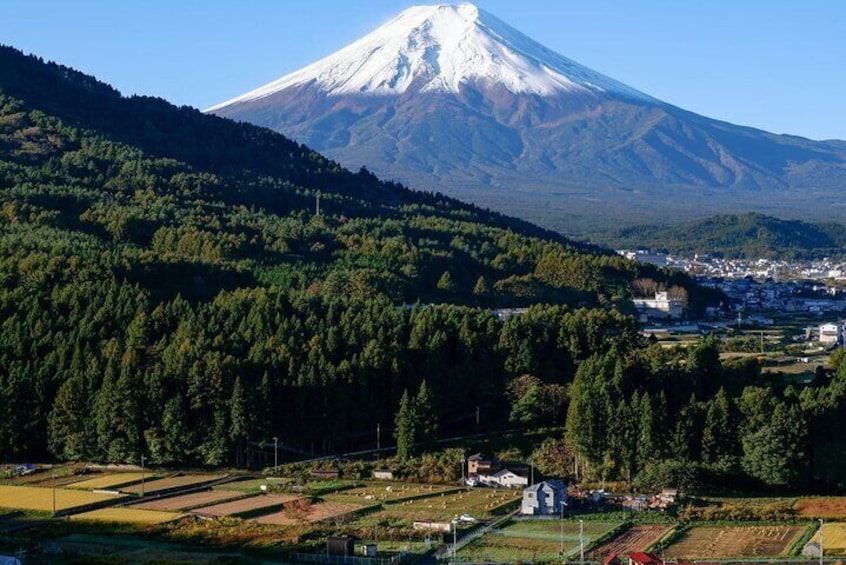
column 738, row 236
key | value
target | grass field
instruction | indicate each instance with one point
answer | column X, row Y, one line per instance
column 478, row 502
column 126, row 516
column 834, row 538
column 41, row 499
column 735, row 541
column 110, row 480
column 534, row 540
column 823, row 507
column 636, row 538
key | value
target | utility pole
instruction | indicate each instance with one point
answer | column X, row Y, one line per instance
column 317, row 204
column 582, row 542
column 142, row 475
column 275, row 454
column 562, row 528
column 53, row 475
column 378, row 437
column 478, row 417
column 821, row 541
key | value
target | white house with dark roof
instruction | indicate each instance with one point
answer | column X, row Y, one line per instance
column 547, row 497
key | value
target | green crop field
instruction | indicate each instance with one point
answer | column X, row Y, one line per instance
column 535, row 540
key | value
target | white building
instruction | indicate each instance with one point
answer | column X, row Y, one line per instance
column 662, row 307
column 547, row 497
column 503, row 478
column 831, row 334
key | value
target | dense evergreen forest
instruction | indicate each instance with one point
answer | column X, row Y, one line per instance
column 745, row 236
column 167, row 288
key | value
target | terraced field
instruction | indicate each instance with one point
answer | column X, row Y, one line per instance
column 126, row 516
column 188, row 501
column 40, row 499
column 477, row 502
column 734, row 541
column 110, row 480
column 636, row 538
column 247, row 506
column 388, row 492
column 310, row 514
column 534, row 540
column 171, row 482
column 834, row 538
column 830, row 507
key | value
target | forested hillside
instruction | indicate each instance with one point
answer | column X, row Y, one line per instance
column 168, row 288
column 749, row 236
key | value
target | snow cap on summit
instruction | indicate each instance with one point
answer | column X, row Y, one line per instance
column 437, row 49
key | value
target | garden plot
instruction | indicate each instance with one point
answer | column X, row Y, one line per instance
column 636, row 538
column 127, row 516
column 191, row 501
column 479, row 503
column 259, row 504
column 534, row 540
column 825, row 507
column 40, row 499
column 299, row 512
column 171, row 482
column 110, row 481
column 735, row 541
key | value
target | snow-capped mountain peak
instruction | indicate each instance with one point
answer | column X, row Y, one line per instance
column 437, row 49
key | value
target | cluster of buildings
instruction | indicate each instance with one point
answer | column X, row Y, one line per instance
column 487, row 471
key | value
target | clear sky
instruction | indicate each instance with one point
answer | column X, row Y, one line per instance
column 775, row 64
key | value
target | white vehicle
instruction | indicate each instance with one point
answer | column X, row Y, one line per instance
column 466, row 518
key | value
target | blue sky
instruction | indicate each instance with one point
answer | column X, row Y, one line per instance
column 779, row 64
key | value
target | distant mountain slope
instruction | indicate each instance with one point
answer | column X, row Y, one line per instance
column 452, row 98
column 741, row 236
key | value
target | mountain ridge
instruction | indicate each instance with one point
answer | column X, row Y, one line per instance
column 563, row 160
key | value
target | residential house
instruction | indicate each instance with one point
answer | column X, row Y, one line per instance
column 480, row 464
column 547, row 497
column 831, row 334
column 641, row 558
column 612, row 559
column 503, row 478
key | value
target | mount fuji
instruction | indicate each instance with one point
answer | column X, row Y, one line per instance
column 451, row 98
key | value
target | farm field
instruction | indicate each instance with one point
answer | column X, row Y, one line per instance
column 388, row 492
column 734, row 541
column 249, row 486
column 477, row 502
column 246, row 505
column 834, row 538
column 636, row 538
column 188, row 501
column 126, row 516
column 171, row 482
column 824, row 507
column 534, row 540
column 110, row 480
column 41, row 499
column 311, row 513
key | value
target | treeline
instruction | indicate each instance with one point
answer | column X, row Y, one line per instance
column 682, row 417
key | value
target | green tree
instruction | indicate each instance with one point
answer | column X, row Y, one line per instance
column 405, row 428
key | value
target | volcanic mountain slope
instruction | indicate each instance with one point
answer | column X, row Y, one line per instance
column 452, row 98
